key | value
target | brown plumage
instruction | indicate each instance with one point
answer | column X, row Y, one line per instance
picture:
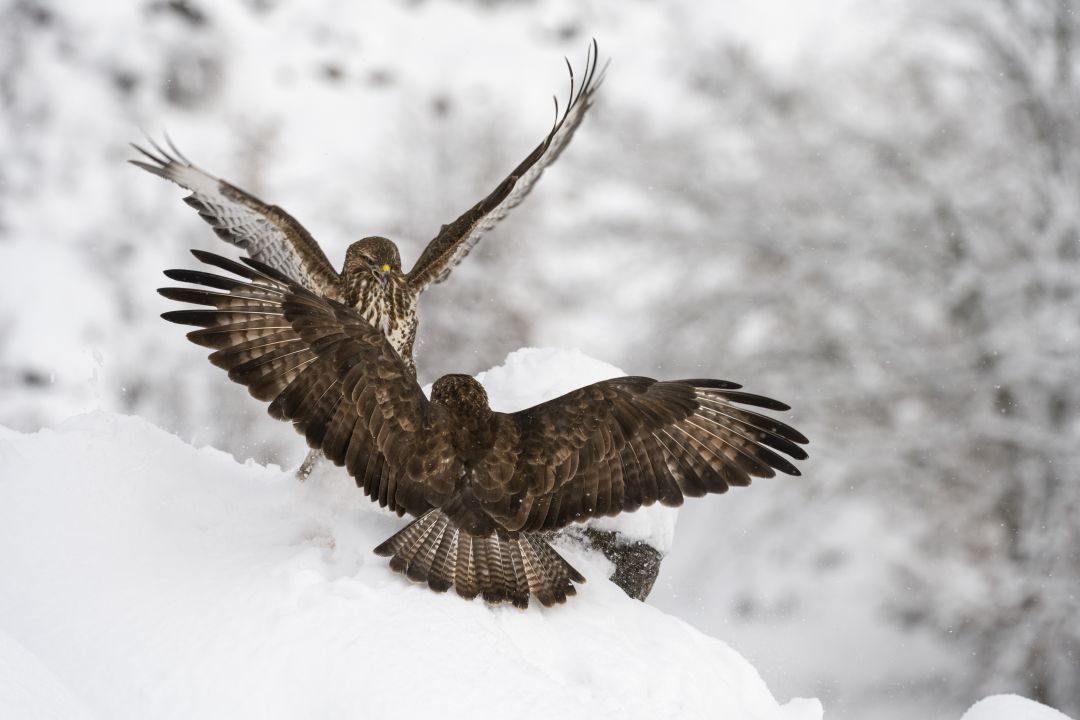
column 371, row 279
column 484, row 485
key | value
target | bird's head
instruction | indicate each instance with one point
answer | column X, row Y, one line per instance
column 463, row 395
column 373, row 257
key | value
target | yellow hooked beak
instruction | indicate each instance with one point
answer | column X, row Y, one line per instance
column 385, row 275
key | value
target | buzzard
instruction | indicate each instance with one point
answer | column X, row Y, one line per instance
column 484, row 486
column 371, row 280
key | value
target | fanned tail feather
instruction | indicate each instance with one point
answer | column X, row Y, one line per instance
column 501, row 567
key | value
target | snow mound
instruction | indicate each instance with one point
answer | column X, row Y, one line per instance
column 146, row 578
column 1011, row 707
column 531, row 376
column 28, row 689
column 534, row 375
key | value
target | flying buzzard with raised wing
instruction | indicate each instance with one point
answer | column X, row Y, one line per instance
column 485, row 486
column 371, row 280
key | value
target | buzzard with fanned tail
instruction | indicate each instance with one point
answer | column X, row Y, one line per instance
column 485, row 486
column 371, row 280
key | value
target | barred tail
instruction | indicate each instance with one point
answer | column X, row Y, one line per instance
column 500, row 567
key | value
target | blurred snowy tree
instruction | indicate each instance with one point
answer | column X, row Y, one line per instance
column 897, row 250
column 994, row 150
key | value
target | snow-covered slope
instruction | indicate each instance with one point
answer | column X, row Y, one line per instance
column 1011, row 707
column 146, row 578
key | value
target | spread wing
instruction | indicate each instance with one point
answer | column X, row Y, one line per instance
column 455, row 240
column 325, row 369
column 266, row 232
column 619, row 444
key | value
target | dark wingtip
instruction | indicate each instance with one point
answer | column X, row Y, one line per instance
column 185, row 317
column 206, row 256
column 160, row 161
column 176, row 151
column 745, row 398
column 175, row 274
column 797, row 452
column 152, row 169
column 224, row 263
column 777, row 462
column 712, row 384
column 169, row 293
column 195, row 296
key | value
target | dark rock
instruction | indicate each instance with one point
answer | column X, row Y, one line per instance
column 636, row 563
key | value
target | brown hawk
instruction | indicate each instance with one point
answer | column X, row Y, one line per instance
column 371, row 280
column 485, row 486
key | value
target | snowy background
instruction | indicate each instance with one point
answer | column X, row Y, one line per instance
column 868, row 209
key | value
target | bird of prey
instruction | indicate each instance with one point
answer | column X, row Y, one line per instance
column 484, row 486
column 372, row 279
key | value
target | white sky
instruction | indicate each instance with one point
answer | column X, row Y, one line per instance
column 791, row 31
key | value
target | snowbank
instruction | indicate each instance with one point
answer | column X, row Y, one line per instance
column 146, row 578
column 1011, row 707
column 28, row 689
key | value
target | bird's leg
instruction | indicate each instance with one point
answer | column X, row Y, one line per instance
column 308, row 465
